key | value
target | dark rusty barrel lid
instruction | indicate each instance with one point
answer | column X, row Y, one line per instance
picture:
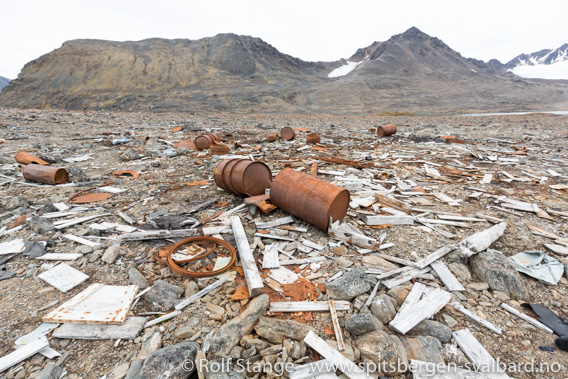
column 227, row 183
column 203, row 142
column 287, row 133
column 251, row 178
column 218, row 173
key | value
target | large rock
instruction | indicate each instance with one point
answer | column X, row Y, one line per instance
column 383, row 308
column 137, row 278
column 378, row 262
column 230, row 334
column 111, row 254
column 172, row 362
column 494, row 268
column 163, row 295
column 134, row 370
column 362, row 323
column 431, row 328
column 352, row 284
column 427, row 349
column 399, row 293
column 386, row 351
column 276, row 331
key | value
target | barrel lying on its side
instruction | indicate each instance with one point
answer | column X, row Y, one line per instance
column 310, row 199
column 44, row 174
column 243, row 176
column 386, row 130
column 203, row 142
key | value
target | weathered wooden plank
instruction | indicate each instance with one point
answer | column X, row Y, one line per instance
column 461, row 218
column 302, row 261
column 421, row 310
column 480, row 241
column 394, row 220
column 446, row 276
column 283, row 276
column 99, row 303
column 427, row 261
column 528, row 319
column 80, row 240
column 336, row 326
column 481, row 359
column 558, row 249
column 76, row 221
column 127, row 331
column 156, row 234
column 373, row 294
column 338, row 231
column 63, row 277
column 404, row 277
column 163, row 318
column 491, row 219
column 252, row 276
column 473, row 316
column 307, row 306
column 322, row 348
column 487, row 179
column 60, row 257
column 394, row 203
column 312, row 245
column 22, row 353
column 270, row 257
column 273, row 224
column 274, row 237
column 443, row 222
column 200, row 294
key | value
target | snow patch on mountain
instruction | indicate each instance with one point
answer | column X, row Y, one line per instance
column 557, row 70
column 343, row 70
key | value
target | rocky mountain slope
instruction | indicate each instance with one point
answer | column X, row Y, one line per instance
column 545, row 56
column 3, row 82
column 411, row 72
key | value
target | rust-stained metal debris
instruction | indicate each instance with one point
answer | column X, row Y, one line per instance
column 313, row 138
column 91, row 197
column 358, row 164
column 187, row 144
column 386, row 130
column 126, row 174
column 287, row 133
column 272, row 137
column 219, row 149
column 243, row 176
column 310, row 199
column 44, row 174
column 205, row 141
column 27, row 158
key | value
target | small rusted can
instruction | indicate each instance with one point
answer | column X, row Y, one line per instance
column 203, row 142
column 310, row 199
column 219, row 149
column 243, row 176
column 287, row 133
column 386, row 130
column 313, row 138
column 272, row 137
column 44, row 174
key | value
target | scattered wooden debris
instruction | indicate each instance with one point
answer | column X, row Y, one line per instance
column 481, row 359
column 528, row 319
column 22, row 353
column 252, row 276
column 446, row 276
column 127, row 331
column 307, row 306
column 475, row 317
column 63, row 277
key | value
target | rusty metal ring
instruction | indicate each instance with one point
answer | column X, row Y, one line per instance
column 183, row 272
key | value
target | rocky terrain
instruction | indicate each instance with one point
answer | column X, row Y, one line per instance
column 410, row 73
column 3, row 82
column 525, row 155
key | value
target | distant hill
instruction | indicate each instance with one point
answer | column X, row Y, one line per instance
column 3, row 82
column 411, row 72
column 547, row 63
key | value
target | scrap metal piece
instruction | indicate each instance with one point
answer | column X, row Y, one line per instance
column 386, row 130
column 44, row 174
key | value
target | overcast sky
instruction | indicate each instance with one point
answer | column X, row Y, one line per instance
column 307, row 29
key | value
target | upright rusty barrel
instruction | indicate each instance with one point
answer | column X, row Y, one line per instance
column 287, row 133
column 203, row 142
column 219, row 149
column 310, row 199
column 313, row 138
column 386, row 130
column 44, row 174
column 243, row 176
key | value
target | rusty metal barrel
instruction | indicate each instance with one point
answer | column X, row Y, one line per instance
column 287, row 133
column 313, row 138
column 310, row 199
column 386, row 130
column 203, row 142
column 219, row 149
column 243, row 176
column 272, row 137
column 44, row 174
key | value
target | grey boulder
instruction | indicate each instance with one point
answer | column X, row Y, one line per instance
column 352, row 284
column 172, row 362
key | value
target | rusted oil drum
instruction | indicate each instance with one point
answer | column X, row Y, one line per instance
column 203, row 142
column 44, row 174
column 287, row 133
column 219, row 149
column 313, row 138
column 243, row 176
column 386, row 130
column 27, row 158
column 272, row 137
column 310, row 199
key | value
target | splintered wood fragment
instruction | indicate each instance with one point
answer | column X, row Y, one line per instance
column 200, row 294
column 373, row 294
column 394, row 259
column 405, row 277
column 336, row 327
column 428, row 370
column 410, row 316
column 274, row 237
column 22, row 353
column 439, row 231
column 252, row 276
column 394, row 220
column 80, row 240
column 444, row 222
column 127, row 331
column 63, row 277
column 60, row 257
column 520, row 206
column 302, row 261
column 481, row 359
column 272, row 224
column 491, row 219
column 487, row 179
column 163, row 318
column 352, row 371
column 461, row 218
column 270, row 257
column 200, row 364
column 394, row 203
column 557, row 213
column 481, row 241
column 446, row 199
column 126, row 218
column 381, row 274
column 558, row 249
column 312, row 245
column 67, row 223
column 528, row 319
column 446, row 276
column 424, row 262
column 307, row 306
column 313, row 369
column 157, row 234
column 338, row 231
column 314, row 169
column 473, row 316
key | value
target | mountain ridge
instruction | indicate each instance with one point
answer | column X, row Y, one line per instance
column 410, row 72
